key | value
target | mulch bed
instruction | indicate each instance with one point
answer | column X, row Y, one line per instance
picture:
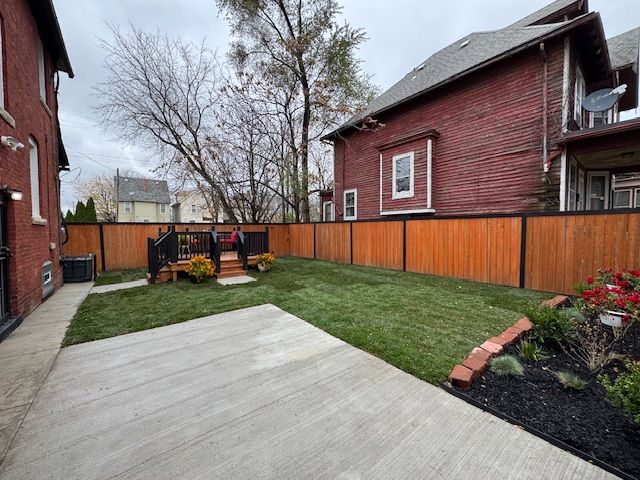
column 582, row 419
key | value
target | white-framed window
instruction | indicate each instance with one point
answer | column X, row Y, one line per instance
column 34, row 173
column 580, row 94
column 403, row 176
column 327, row 211
column 1, row 67
column 126, row 206
column 194, row 209
column 637, row 204
column 622, row 198
column 163, row 208
column 42, row 78
column 351, row 204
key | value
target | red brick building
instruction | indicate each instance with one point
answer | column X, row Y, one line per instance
column 31, row 155
column 487, row 125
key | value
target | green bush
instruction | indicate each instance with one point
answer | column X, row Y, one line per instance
column 530, row 351
column 571, row 380
column 550, row 324
column 624, row 392
column 506, row 365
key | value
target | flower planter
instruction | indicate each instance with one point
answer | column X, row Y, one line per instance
column 613, row 319
column 262, row 268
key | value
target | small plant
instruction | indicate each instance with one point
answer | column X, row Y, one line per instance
column 571, row 380
column 506, row 365
column 200, row 268
column 624, row 391
column 530, row 351
column 266, row 261
column 550, row 325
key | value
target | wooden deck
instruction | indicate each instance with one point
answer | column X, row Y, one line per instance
column 230, row 266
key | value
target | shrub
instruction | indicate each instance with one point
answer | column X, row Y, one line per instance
column 571, row 380
column 267, row 260
column 550, row 324
column 506, row 365
column 530, row 351
column 592, row 344
column 200, row 268
column 624, row 392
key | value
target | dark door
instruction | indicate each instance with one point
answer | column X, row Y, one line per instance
column 4, row 262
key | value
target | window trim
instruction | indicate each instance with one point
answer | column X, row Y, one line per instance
column 577, row 102
column 355, row 204
column 395, row 195
column 42, row 72
column 163, row 208
column 34, row 180
column 194, row 208
column 324, row 211
column 127, row 207
column 2, row 95
column 613, row 198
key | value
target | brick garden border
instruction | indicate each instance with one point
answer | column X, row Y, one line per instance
column 477, row 362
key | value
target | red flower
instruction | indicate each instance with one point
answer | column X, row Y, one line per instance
column 590, row 279
column 635, row 273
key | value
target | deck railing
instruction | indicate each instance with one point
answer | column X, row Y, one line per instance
column 173, row 246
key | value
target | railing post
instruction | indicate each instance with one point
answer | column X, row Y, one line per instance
column 265, row 247
column 151, row 257
column 174, row 244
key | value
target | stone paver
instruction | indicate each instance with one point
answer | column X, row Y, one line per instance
column 259, row 393
column 28, row 354
column 119, row 286
column 239, row 280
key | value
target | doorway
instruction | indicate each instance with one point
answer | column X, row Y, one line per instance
column 5, row 253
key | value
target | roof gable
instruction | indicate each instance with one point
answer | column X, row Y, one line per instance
column 623, row 49
column 131, row 189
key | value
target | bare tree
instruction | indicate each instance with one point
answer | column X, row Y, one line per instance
column 102, row 189
column 163, row 92
column 307, row 60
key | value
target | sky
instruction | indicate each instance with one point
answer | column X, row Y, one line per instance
column 402, row 34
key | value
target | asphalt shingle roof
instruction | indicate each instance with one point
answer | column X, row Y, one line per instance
column 142, row 190
column 623, row 49
column 465, row 54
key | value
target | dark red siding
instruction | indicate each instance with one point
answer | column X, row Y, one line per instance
column 488, row 157
column 29, row 243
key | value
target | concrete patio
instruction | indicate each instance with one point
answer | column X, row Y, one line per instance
column 259, row 393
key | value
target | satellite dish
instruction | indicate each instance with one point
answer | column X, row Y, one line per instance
column 604, row 99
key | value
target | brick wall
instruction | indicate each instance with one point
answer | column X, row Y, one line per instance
column 488, row 157
column 29, row 242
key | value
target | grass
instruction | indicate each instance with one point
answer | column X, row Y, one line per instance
column 109, row 278
column 506, row 365
column 421, row 324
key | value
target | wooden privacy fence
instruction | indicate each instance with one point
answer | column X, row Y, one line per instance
column 547, row 252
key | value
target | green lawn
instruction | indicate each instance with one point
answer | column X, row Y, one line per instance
column 421, row 324
column 109, row 278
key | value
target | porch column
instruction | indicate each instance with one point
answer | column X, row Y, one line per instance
column 563, row 181
column 429, row 171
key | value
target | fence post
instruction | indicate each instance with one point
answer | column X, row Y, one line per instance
column 523, row 250
column 404, row 245
column 102, row 255
column 351, row 243
column 314, row 241
column 266, row 240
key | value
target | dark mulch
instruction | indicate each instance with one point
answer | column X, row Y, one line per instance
column 583, row 419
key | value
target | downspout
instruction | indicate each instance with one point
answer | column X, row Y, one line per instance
column 545, row 105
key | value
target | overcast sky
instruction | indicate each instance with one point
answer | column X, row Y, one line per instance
column 402, row 33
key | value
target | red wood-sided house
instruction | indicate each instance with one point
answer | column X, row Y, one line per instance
column 32, row 52
column 495, row 123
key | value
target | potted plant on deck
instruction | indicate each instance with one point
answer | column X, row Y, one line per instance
column 265, row 261
column 614, row 297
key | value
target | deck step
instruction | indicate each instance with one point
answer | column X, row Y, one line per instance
column 231, row 273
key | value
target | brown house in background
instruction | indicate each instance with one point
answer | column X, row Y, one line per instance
column 495, row 123
column 32, row 53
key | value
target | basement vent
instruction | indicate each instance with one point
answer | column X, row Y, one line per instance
column 465, row 43
column 47, row 279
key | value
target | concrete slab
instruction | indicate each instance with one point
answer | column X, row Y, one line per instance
column 119, row 286
column 239, row 280
column 28, row 354
column 260, row 394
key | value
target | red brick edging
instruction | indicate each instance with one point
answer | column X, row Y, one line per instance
column 477, row 362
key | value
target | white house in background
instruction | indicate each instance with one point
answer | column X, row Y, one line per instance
column 142, row 200
column 190, row 207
